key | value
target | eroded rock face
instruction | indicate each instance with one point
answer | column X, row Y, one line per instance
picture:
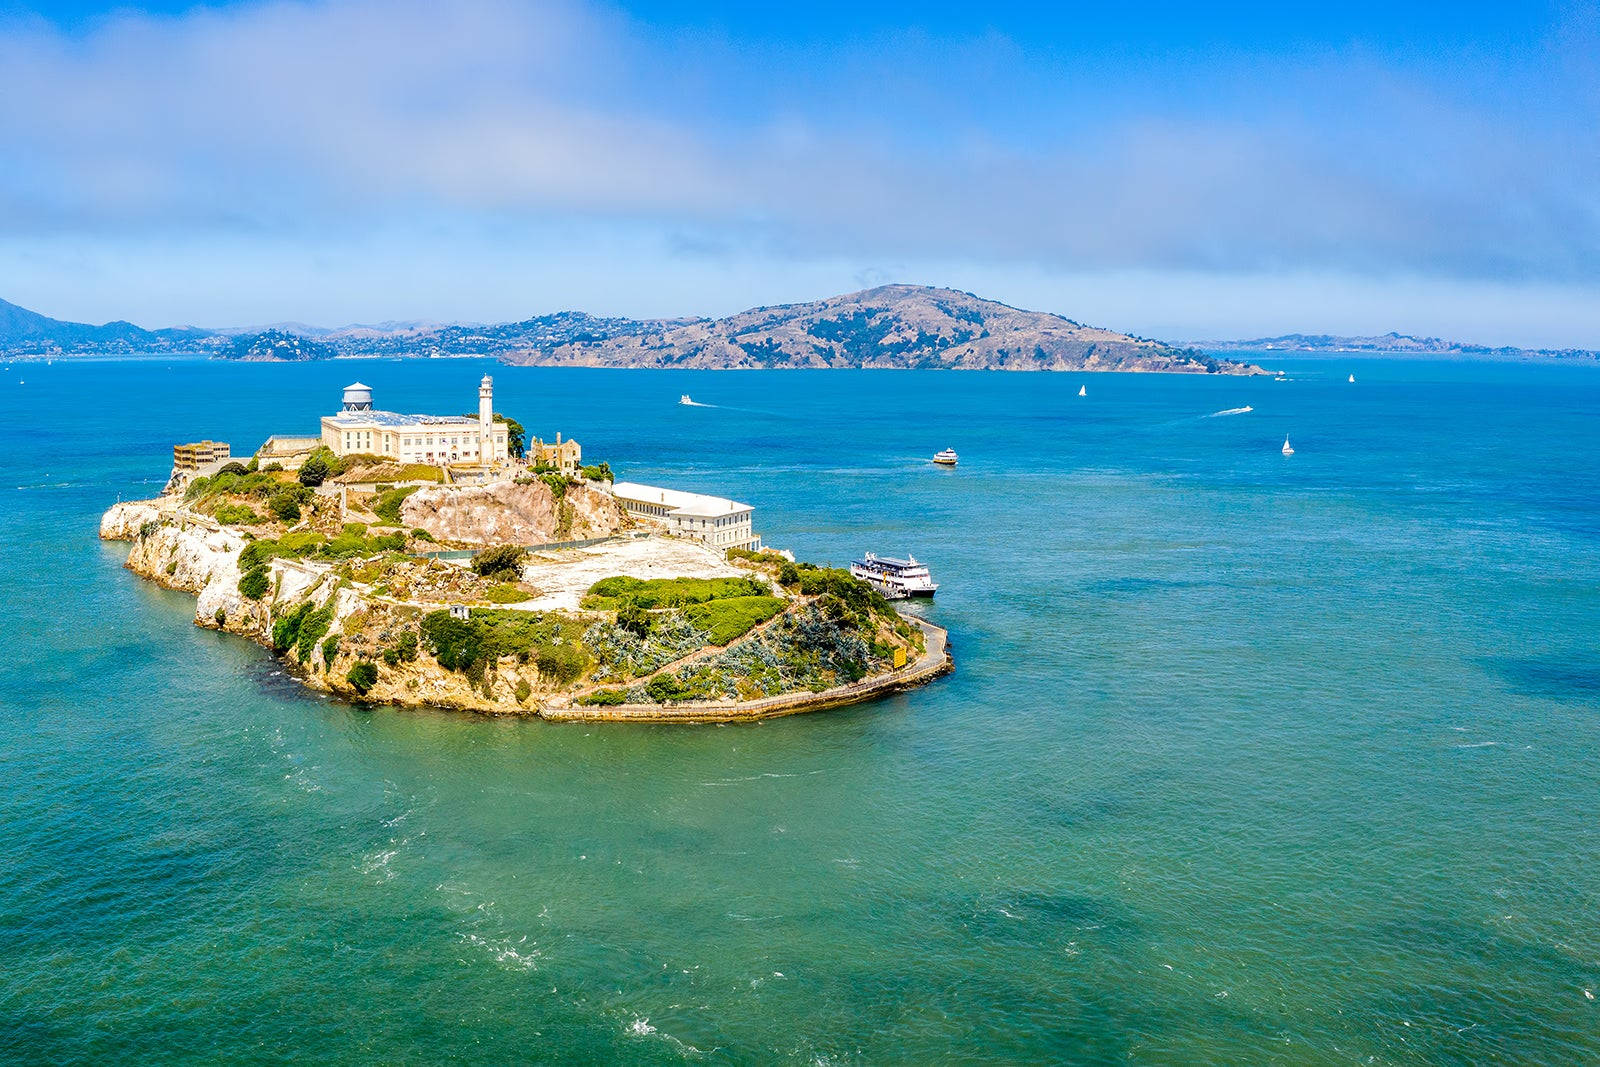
column 507, row 513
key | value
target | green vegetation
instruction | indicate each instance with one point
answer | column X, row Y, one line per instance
column 604, row 698
column 424, row 535
column 731, row 618
column 549, row 641
column 611, row 594
column 314, row 471
column 506, row 593
column 404, row 650
column 312, row 629
column 254, row 582
column 330, row 650
column 363, row 676
column 353, row 542
column 557, row 483
column 502, row 563
column 236, row 515
column 387, row 505
column 856, row 595
column 523, row 691
column 600, row 472
column 286, row 502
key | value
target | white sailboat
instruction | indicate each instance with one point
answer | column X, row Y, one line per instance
column 1287, row 450
column 1083, row 390
column 1352, row 379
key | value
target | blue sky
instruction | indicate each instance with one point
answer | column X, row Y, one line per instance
column 1184, row 173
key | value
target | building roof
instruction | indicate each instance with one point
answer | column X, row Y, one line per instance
column 696, row 505
column 394, row 420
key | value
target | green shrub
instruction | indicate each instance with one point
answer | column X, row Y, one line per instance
column 557, row 483
column 728, row 620
column 284, row 505
column 312, row 628
column 524, row 690
column 600, row 472
column 563, row 663
column 302, row 543
column 330, row 650
column 634, row 619
column 236, row 515
column 387, row 505
column 502, row 563
column 253, row 583
column 257, row 553
column 314, row 471
column 286, row 631
column 605, row 697
column 404, row 649
column 234, row 468
column 611, row 593
column 666, row 688
column 363, row 676
column 424, row 535
column 506, row 593
column 272, row 468
column 469, row 645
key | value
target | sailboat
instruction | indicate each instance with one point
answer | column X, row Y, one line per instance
column 1287, row 450
column 1352, row 379
column 1083, row 390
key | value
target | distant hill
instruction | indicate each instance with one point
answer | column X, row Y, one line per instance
column 276, row 346
column 1402, row 343
column 24, row 332
column 892, row 326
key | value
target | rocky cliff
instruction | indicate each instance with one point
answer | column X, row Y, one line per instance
column 516, row 513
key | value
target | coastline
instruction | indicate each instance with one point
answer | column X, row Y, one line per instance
column 192, row 553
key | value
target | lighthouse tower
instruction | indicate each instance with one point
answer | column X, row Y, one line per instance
column 486, row 421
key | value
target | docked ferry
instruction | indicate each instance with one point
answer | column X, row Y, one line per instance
column 895, row 578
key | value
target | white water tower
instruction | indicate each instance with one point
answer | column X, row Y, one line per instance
column 357, row 397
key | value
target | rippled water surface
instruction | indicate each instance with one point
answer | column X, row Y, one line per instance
column 1247, row 757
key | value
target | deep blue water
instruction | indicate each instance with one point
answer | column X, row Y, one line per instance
column 1247, row 758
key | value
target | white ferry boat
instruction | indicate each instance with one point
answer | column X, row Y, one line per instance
column 895, row 578
column 946, row 458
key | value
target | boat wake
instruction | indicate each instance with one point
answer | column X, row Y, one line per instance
column 1247, row 409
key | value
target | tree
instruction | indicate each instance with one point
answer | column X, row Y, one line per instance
column 363, row 676
column 314, row 471
column 502, row 563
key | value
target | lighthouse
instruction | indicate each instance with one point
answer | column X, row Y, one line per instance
column 486, row 453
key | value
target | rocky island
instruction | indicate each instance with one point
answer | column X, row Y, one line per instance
column 524, row 585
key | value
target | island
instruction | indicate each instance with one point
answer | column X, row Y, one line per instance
column 889, row 327
column 449, row 561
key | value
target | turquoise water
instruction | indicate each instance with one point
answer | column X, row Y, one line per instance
column 1246, row 758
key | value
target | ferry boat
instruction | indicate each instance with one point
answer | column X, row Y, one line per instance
column 896, row 579
column 946, row 458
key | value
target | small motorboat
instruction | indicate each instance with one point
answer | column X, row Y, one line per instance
column 947, row 458
column 1287, row 449
column 685, row 401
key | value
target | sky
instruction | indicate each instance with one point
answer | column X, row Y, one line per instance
column 1179, row 171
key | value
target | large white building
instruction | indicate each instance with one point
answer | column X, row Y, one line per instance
column 715, row 520
column 435, row 439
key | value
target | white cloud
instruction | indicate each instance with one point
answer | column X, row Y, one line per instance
column 326, row 123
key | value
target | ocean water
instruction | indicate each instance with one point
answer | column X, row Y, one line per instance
column 1247, row 758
